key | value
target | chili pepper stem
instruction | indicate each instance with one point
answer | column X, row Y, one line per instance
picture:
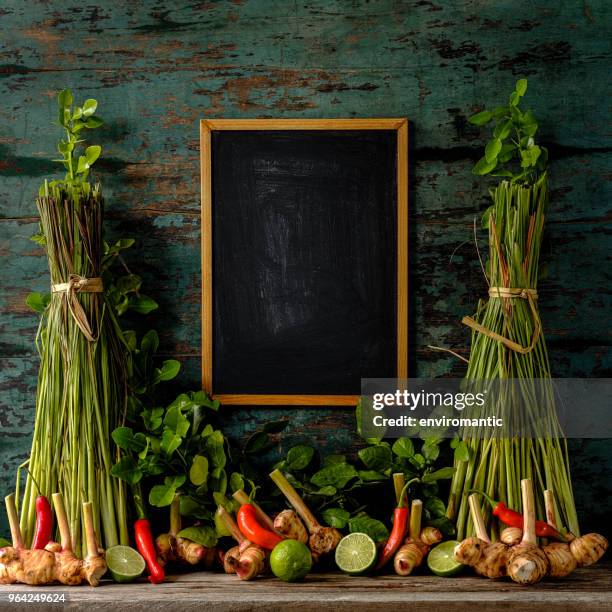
column 62, row 521
column 11, row 511
column 476, row 514
column 416, row 513
column 230, row 524
column 294, row 499
column 90, row 532
column 399, row 481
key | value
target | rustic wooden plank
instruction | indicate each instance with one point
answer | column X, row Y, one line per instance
column 587, row 589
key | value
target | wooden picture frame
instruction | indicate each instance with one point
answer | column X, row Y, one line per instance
column 207, row 127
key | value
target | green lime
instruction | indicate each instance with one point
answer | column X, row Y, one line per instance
column 4, row 543
column 356, row 553
column 290, row 560
column 124, row 563
column 441, row 559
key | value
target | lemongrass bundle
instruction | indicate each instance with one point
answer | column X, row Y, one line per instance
column 82, row 387
column 81, row 393
column 508, row 343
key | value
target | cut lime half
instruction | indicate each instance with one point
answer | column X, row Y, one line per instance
column 441, row 559
column 124, row 563
column 356, row 553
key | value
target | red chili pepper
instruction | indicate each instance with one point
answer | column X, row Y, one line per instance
column 253, row 531
column 512, row 518
column 146, row 547
column 396, row 537
column 144, row 541
column 44, row 523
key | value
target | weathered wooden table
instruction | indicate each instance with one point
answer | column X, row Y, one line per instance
column 587, row 589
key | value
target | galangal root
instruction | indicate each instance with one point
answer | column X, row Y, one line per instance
column 417, row 544
column 518, row 554
column 246, row 560
column 322, row 540
column 172, row 548
column 56, row 562
column 488, row 559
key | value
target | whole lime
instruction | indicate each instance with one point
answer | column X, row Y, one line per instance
column 290, row 560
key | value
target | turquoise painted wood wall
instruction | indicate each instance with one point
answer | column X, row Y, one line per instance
column 158, row 67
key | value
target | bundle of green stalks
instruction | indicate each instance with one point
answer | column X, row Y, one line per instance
column 82, row 392
column 507, row 340
column 497, row 466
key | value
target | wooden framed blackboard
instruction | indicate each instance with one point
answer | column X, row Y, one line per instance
column 304, row 258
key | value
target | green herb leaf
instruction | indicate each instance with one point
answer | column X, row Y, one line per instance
column 377, row 457
column 481, row 118
column 259, row 442
column 337, row 475
column 38, row 301
column 441, row 474
column 462, row 452
column 170, row 441
column 371, row 475
column 92, row 153
column 152, row 418
column 127, row 469
column 93, row 122
column 436, row 506
column 333, row 459
column 215, row 448
column 176, row 421
column 198, row 473
column 403, row 447
column 236, row 482
column 142, row 304
column 125, row 439
column 205, row 535
column 299, row 457
column 64, row 98
column 169, row 370
column 492, row 149
column 375, row 529
column 430, row 452
column 521, row 87
column 483, row 166
column 336, row 517
column 89, row 107
column 274, row 427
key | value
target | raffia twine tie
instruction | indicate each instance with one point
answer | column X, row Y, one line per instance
column 79, row 284
column 531, row 295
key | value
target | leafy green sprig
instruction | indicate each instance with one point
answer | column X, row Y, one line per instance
column 74, row 119
column 512, row 151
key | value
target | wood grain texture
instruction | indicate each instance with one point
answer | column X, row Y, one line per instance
column 587, row 589
column 158, row 68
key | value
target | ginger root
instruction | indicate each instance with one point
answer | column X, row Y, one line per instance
column 511, row 536
column 246, row 560
column 289, row 524
column 487, row 558
column 411, row 554
column 172, row 548
column 588, row 549
column 431, row 536
column 55, row 563
column 322, row 540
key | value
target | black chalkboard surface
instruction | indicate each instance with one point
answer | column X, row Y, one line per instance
column 304, row 262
